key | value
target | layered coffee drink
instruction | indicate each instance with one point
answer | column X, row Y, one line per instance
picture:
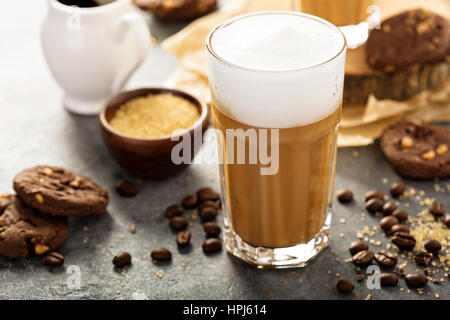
column 338, row 12
column 276, row 78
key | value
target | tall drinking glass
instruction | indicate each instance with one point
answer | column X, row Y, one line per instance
column 276, row 80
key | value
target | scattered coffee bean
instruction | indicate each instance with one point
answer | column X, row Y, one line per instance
column 133, row 228
column 212, row 245
column 161, row 254
column 437, row 209
column 397, row 189
column 389, row 207
column 190, row 201
column 345, row 286
column 433, row 246
column 183, row 238
column 212, row 229
column 208, row 214
column 387, row 222
column 374, row 205
column 358, row 246
column 374, row 194
column 386, row 259
column 388, row 279
column 122, row 259
column 400, row 214
column 360, row 277
column 398, row 228
column 174, row 210
column 436, row 281
column 401, row 272
column 427, row 271
column 423, row 258
column 208, row 203
column 178, row 223
column 363, row 258
column 207, row 193
column 126, row 189
column 403, row 240
column 416, row 280
column 447, row 220
column 344, row 195
column 54, row 259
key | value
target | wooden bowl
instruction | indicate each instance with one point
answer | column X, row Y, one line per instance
column 149, row 158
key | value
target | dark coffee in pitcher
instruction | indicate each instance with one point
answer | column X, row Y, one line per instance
column 85, row 3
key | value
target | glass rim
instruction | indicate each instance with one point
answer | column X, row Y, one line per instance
column 228, row 22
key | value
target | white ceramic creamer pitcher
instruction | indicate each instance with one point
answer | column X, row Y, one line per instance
column 92, row 52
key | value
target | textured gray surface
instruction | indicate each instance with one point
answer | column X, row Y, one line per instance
column 35, row 129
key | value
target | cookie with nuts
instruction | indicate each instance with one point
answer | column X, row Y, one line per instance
column 25, row 232
column 60, row 192
column 409, row 38
column 417, row 150
column 176, row 10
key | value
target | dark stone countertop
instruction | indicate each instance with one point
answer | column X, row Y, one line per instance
column 35, row 129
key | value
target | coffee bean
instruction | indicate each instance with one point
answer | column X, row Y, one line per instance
column 212, row 245
column 427, row 271
column 403, row 240
column 161, row 254
column 208, row 203
column 190, row 201
column 207, row 194
column 388, row 279
column 358, row 246
column 208, row 214
column 397, row 189
column 183, row 238
column 374, row 205
column 54, row 259
column 437, row 209
column 416, row 280
column 133, row 228
column 387, row 222
column 398, row 228
column 389, row 207
column 433, row 246
column 423, row 258
column 400, row 214
column 386, row 259
column 345, row 286
column 122, row 259
column 363, row 258
column 344, row 195
column 178, row 223
column 360, row 277
column 174, row 210
column 126, row 189
column 212, row 229
column 447, row 220
column 401, row 272
column 374, row 194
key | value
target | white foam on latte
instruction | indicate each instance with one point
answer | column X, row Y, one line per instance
column 277, row 69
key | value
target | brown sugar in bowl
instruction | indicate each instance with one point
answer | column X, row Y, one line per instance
column 148, row 158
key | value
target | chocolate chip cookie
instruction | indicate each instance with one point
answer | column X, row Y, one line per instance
column 60, row 192
column 417, row 150
column 174, row 10
column 25, row 232
column 412, row 37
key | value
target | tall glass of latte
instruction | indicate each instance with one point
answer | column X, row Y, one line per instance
column 276, row 81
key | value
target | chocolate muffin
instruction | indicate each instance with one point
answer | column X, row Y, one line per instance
column 409, row 38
